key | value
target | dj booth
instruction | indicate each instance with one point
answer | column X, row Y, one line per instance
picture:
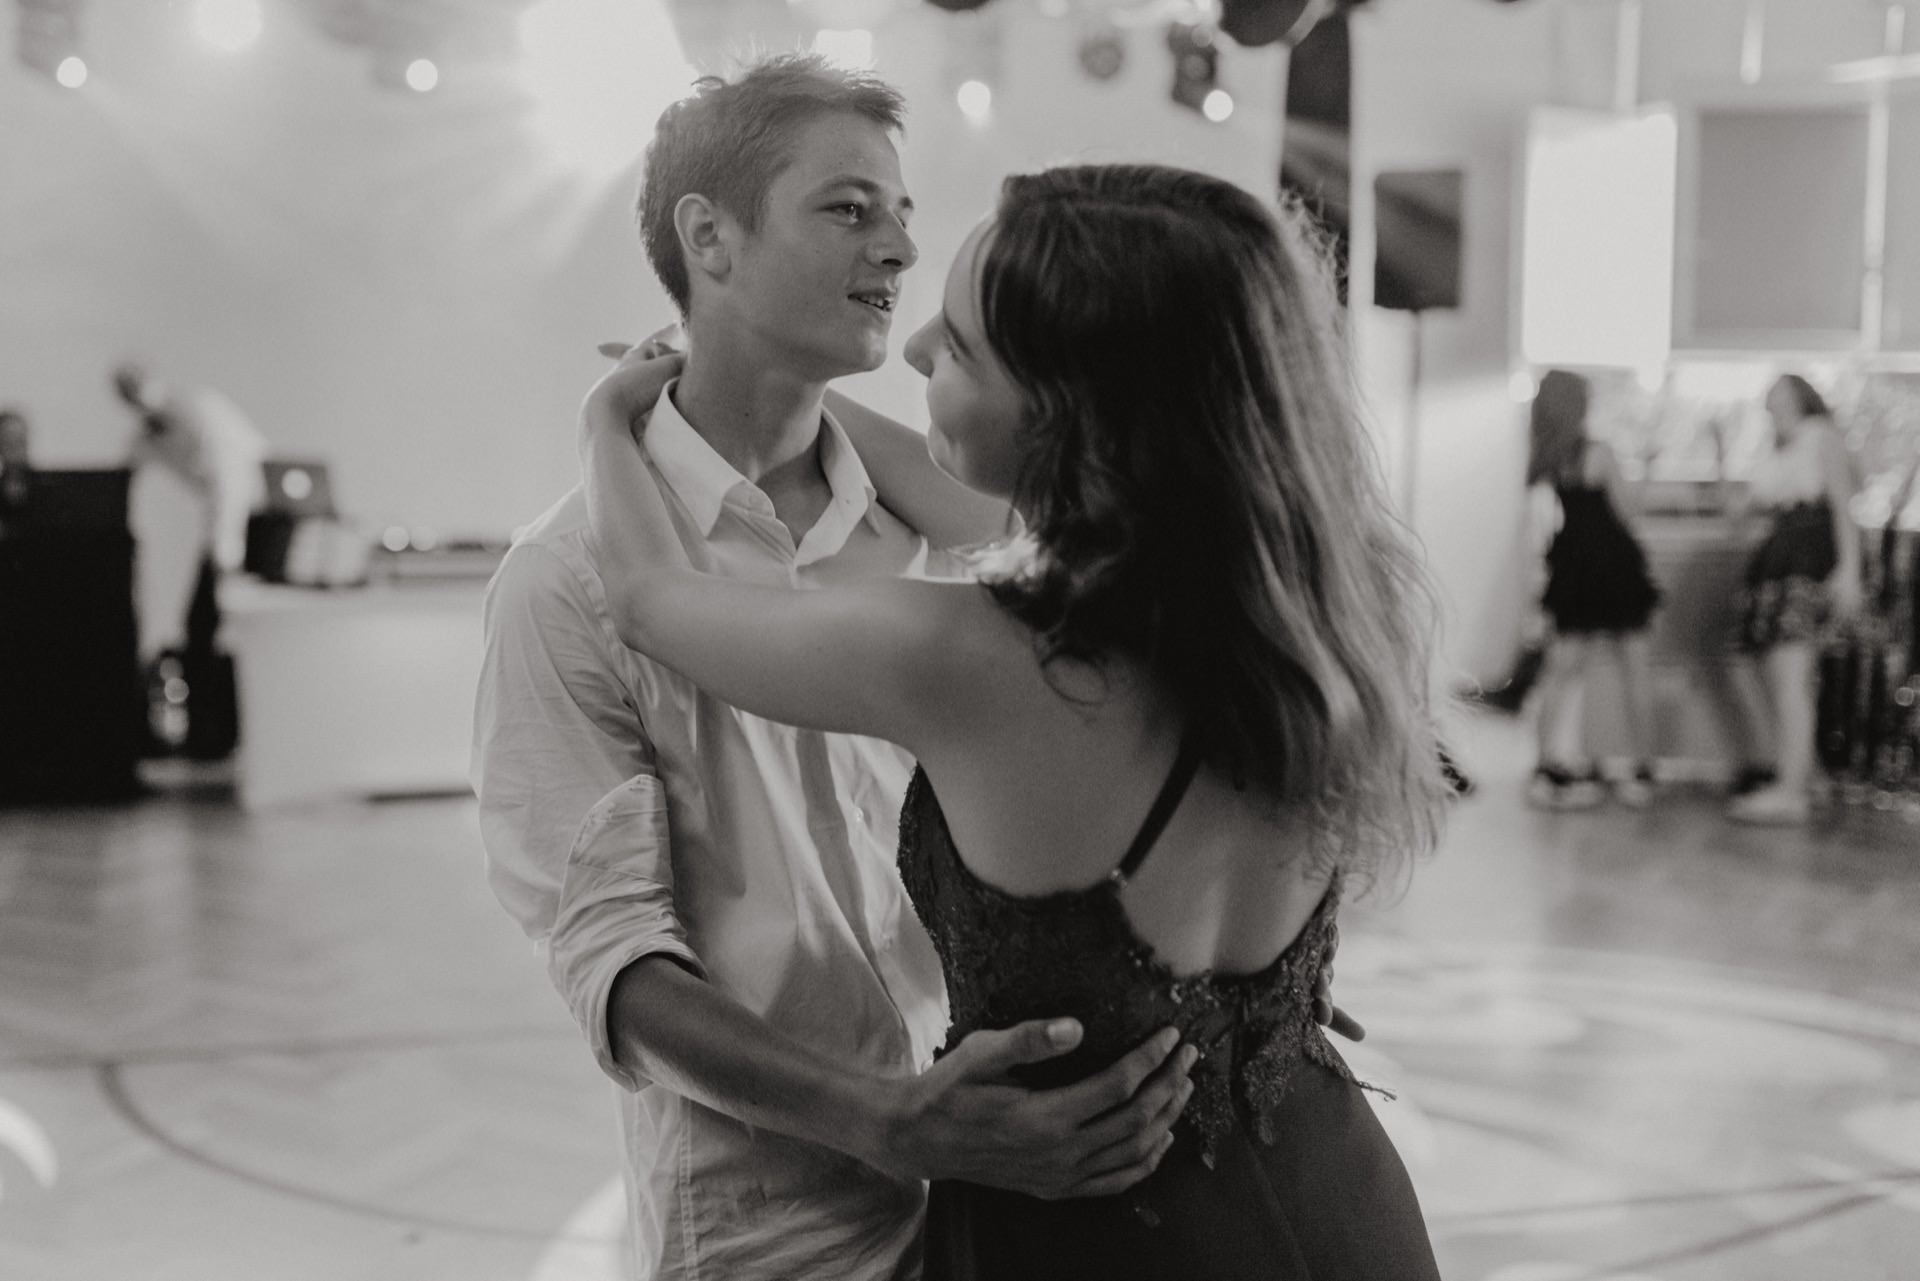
column 72, row 702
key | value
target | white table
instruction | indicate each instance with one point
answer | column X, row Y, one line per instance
column 363, row 691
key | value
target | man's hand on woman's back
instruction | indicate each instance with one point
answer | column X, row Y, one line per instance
column 965, row 1117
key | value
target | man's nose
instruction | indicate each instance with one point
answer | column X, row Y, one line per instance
column 894, row 248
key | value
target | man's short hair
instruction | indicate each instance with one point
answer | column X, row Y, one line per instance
column 728, row 141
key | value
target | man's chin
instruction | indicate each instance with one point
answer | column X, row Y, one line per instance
column 847, row 363
column 872, row 353
column 830, row 355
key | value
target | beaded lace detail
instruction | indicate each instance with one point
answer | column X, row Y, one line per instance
column 1009, row 958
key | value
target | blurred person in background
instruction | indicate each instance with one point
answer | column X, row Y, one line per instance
column 209, row 444
column 1802, row 581
column 1599, row 597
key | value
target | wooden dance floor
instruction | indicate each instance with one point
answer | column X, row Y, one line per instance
column 307, row 1046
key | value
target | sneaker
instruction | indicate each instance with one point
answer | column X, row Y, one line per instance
column 1554, row 788
column 1771, row 807
column 1635, row 793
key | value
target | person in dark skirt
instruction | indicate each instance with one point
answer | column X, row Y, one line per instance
column 1802, row 581
column 1599, row 596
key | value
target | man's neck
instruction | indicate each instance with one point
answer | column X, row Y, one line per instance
column 762, row 420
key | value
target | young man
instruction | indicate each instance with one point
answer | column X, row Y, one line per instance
column 732, row 934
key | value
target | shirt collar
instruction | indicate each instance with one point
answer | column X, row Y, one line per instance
column 847, row 477
column 703, row 480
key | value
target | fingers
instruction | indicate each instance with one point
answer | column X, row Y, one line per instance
column 989, row 1054
column 1344, row 1024
column 1119, row 1084
column 1139, row 1115
column 1143, row 1142
column 671, row 337
column 1117, row 1181
column 651, row 349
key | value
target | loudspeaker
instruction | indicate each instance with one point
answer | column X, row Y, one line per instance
column 1260, row 22
column 1416, row 264
column 71, row 705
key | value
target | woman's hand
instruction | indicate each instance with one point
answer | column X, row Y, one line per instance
column 627, row 392
column 661, row 342
column 639, row 375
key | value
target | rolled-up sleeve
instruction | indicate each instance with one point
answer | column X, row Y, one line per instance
column 616, row 906
column 555, row 728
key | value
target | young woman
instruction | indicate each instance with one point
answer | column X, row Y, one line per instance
column 1801, row 580
column 1158, row 739
column 1599, row 596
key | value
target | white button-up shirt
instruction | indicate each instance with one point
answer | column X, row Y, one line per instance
column 625, row 813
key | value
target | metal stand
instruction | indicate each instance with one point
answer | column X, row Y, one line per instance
column 1410, row 447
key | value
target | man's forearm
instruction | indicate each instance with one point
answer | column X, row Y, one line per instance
column 688, row 1036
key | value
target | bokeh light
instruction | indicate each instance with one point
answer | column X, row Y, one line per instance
column 227, row 25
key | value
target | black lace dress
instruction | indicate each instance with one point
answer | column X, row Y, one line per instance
column 1279, row 1169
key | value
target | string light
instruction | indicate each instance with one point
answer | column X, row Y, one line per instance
column 1217, row 105
column 72, row 72
column 848, row 48
column 422, row 75
column 227, row 25
column 975, row 99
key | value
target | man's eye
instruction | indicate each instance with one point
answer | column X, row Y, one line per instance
column 851, row 212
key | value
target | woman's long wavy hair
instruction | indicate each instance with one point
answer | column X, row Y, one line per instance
column 1203, row 495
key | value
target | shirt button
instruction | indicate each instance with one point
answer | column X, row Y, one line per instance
column 859, row 815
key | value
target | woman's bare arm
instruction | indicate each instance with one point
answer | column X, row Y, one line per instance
column 946, row 512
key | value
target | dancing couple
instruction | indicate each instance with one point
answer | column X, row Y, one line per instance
column 967, row 914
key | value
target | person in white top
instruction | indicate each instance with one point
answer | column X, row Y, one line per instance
column 210, row 444
column 1802, row 579
column 716, row 892
column 212, row 447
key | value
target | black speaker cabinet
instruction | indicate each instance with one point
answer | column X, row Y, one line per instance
column 1416, row 216
column 72, row 707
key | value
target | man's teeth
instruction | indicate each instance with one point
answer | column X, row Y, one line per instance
column 880, row 301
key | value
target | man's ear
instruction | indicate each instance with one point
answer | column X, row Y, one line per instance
column 704, row 240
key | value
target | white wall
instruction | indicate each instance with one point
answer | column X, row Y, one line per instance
column 412, row 287
column 404, row 285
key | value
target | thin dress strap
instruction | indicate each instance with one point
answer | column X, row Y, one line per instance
column 1185, row 766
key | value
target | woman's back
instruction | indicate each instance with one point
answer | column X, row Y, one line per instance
column 1071, row 857
column 1048, row 779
